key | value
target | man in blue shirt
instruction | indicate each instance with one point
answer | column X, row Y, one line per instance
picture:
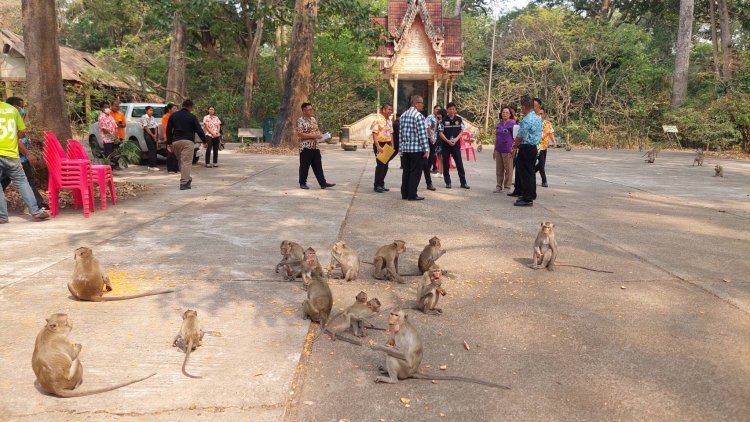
column 529, row 136
column 415, row 147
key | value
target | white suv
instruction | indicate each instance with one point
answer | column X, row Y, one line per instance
column 134, row 132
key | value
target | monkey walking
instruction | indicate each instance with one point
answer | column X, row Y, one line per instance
column 719, row 171
column 698, row 158
column 545, row 251
column 191, row 336
column 347, row 259
column 293, row 255
column 431, row 253
column 404, row 355
column 56, row 361
column 89, row 279
column 386, row 261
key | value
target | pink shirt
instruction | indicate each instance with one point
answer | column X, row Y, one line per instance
column 212, row 124
column 107, row 128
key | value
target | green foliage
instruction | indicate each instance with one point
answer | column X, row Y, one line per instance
column 128, row 153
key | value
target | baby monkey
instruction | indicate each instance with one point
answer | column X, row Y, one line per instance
column 698, row 157
column 191, row 336
column 291, row 262
column 719, row 171
column 355, row 316
column 430, row 290
column 311, row 267
column 545, row 248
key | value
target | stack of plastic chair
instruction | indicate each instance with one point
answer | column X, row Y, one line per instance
column 467, row 145
column 100, row 174
column 65, row 173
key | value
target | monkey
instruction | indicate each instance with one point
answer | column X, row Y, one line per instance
column 319, row 301
column 361, row 297
column 89, row 278
column 293, row 255
column 430, row 290
column 355, row 316
column 651, row 155
column 347, row 259
column 56, row 361
column 698, row 158
column 191, row 336
column 545, row 248
column 719, row 171
column 386, row 261
column 431, row 253
column 568, row 147
column 404, row 355
column 310, row 267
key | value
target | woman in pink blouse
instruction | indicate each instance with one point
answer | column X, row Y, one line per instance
column 212, row 127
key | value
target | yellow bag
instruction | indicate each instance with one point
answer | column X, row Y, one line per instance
column 387, row 153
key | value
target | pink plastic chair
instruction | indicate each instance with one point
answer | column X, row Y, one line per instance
column 467, row 145
column 101, row 174
column 65, row 173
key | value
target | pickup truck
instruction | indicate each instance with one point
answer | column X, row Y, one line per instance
column 134, row 132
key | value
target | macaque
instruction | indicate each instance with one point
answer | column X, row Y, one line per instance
column 347, row 259
column 293, row 256
column 386, row 261
column 651, row 155
column 430, row 290
column 311, row 267
column 719, row 171
column 56, row 361
column 191, row 336
column 545, row 248
column 89, row 279
column 319, row 301
column 430, row 254
column 698, row 158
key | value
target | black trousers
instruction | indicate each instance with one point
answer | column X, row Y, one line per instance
column 213, row 145
column 311, row 158
column 525, row 172
column 541, row 161
column 29, row 176
column 381, row 170
column 455, row 152
column 413, row 163
column 429, row 164
column 151, row 145
column 109, row 150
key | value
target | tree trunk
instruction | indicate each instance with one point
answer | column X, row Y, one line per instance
column 604, row 11
column 726, row 40
column 682, row 56
column 280, row 60
column 46, row 94
column 457, row 9
column 297, row 80
column 177, row 63
column 714, row 40
column 254, row 36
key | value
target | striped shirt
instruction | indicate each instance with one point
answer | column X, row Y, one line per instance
column 413, row 132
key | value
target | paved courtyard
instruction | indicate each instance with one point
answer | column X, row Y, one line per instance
column 665, row 337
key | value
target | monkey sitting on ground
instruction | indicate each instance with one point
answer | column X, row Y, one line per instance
column 89, row 279
column 430, row 290
column 431, row 253
column 545, row 248
column 405, row 354
column 355, row 317
column 56, row 362
column 345, row 258
column 191, row 336
column 698, row 158
column 311, row 267
column 719, row 171
column 292, row 257
column 386, row 261
column 319, row 301
column 651, row 155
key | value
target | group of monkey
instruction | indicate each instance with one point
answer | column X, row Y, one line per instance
column 697, row 160
column 58, row 368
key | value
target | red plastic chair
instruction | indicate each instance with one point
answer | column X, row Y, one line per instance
column 467, row 145
column 65, row 173
column 101, row 174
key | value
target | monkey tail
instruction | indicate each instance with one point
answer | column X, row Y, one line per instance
column 585, row 268
column 188, row 349
column 73, row 393
column 151, row 293
column 463, row 379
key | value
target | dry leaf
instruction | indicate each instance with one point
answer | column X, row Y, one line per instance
column 466, row 345
column 623, row 287
column 443, row 367
column 435, row 382
column 405, row 401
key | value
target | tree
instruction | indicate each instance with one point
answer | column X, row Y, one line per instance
column 714, row 41
column 726, row 40
column 682, row 56
column 46, row 96
column 177, row 62
column 254, row 36
column 297, row 80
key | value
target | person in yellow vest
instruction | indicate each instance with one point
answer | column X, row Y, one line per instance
column 382, row 135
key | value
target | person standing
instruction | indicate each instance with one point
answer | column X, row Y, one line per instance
column 432, row 122
column 28, row 160
column 150, row 135
column 415, row 148
column 119, row 119
column 108, row 134
column 212, row 124
column 173, row 165
column 181, row 130
column 529, row 136
column 502, row 154
column 309, row 154
column 12, row 125
column 382, row 135
column 548, row 135
column 450, row 130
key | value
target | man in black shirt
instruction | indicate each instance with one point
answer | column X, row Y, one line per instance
column 181, row 130
column 450, row 133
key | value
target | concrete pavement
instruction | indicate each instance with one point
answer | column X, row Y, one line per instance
column 663, row 338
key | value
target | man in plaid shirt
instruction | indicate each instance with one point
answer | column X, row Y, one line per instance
column 415, row 147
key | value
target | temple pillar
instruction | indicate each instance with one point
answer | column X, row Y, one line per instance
column 435, row 86
column 395, row 94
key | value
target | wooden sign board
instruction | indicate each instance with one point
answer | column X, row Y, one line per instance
column 669, row 129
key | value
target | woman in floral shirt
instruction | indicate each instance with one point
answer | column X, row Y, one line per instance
column 309, row 154
column 108, row 133
column 212, row 126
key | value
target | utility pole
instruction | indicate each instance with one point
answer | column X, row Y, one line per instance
column 489, row 85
